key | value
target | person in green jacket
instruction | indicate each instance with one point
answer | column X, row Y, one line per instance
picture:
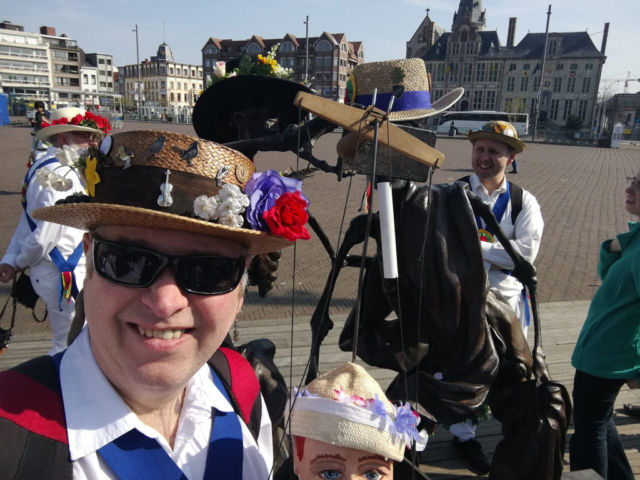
column 607, row 354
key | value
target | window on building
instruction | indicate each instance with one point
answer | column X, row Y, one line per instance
column 170, row 70
column 193, row 86
column 536, row 84
column 108, row 61
column 178, row 85
column 324, row 46
column 327, row 61
column 179, row 98
column 568, row 106
column 455, row 49
column 184, row 86
column 557, row 85
column 101, row 61
column 319, row 61
column 524, row 84
column 335, row 76
column 193, row 73
column 163, row 84
column 464, row 36
column 491, row 100
column 85, row 79
column 207, row 63
column 477, row 100
column 254, row 49
column 103, row 84
column 553, row 44
column 454, row 72
column 493, row 72
column 211, row 50
column 93, row 79
column 162, row 69
column 582, row 109
column 560, row 66
column 344, row 48
column 480, row 72
column 171, row 96
column 469, row 49
column 440, row 68
column 326, row 91
column 526, row 67
column 586, row 84
column 571, row 85
column 554, row 109
column 437, row 94
column 170, row 84
column 200, row 74
column 287, row 47
column 185, row 72
column 573, row 66
column 467, row 72
column 511, row 83
column 588, row 66
column 102, row 73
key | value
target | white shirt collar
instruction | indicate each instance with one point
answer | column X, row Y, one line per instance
column 95, row 413
column 477, row 187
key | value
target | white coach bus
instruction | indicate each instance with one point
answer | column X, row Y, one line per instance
column 465, row 121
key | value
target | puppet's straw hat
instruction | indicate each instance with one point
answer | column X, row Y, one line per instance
column 500, row 131
column 131, row 195
column 414, row 104
column 347, row 407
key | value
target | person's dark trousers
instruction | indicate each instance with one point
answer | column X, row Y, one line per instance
column 595, row 443
column 514, row 166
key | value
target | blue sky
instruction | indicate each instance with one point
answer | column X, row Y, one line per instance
column 383, row 25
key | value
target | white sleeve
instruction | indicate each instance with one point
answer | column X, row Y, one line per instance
column 46, row 236
column 17, row 240
column 265, row 437
column 527, row 236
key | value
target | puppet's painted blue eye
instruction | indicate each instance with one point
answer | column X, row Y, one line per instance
column 330, row 474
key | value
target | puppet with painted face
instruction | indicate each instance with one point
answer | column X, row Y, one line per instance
column 343, row 427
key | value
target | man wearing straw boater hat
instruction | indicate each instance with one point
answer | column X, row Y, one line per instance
column 53, row 252
column 145, row 391
column 495, row 146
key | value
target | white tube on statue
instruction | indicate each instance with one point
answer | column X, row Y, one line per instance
column 387, row 231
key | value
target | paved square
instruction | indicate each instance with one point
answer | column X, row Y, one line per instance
column 580, row 190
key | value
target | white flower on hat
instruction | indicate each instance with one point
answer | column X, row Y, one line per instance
column 67, row 156
column 220, row 69
column 508, row 132
column 233, row 192
column 235, row 221
column 60, row 183
column 206, row 207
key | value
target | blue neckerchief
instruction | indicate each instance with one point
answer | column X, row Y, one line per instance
column 498, row 209
column 134, row 456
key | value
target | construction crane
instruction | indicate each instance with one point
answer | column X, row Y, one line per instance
column 618, row 80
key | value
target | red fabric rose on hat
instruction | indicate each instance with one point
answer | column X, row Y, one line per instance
column 60, row 121
column 76, row 120
column 288, row 217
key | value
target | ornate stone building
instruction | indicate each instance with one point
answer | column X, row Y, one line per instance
column 507, row 77
column 331, row 58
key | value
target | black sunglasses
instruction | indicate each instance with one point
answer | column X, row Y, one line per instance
column 139, row 267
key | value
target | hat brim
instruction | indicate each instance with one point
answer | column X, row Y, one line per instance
column 440, row 105
column 87, row 215
column 232, row 94
column 45, row 133
column 518, row 145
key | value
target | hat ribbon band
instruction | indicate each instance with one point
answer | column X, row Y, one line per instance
column 139, row 186
column 420, row 100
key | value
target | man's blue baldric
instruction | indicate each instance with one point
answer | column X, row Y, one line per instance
column 134, row 456
column 498, row 211
column 64, row 265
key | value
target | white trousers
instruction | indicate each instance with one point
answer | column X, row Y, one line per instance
column 46, row 283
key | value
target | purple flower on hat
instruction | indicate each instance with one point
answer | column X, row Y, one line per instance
column 406, row 421
column 263, row 190
column 379, row 407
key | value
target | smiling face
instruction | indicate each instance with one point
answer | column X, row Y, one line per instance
column 154, row 339
column 632, row 203
column 323, row 461
column 490, row 158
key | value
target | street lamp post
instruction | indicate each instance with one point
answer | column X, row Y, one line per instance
column 306, row 55
column 138, row 69
column 544, row 60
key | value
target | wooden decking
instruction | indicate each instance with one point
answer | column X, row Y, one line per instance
column 561, row 326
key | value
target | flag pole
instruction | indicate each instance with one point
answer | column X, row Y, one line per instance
column 544, row 61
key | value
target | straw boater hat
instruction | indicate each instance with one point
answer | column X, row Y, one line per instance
column 127, row 184
column 414, row 104
column 502, row 132
column 219, row 101
column 68, row 115
column 346, row 407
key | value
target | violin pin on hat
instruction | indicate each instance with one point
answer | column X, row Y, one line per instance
column 165, row 199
